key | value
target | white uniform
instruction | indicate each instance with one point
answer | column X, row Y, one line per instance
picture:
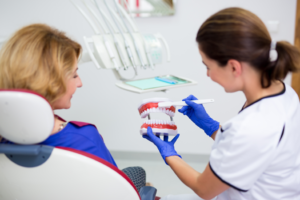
column 257, row 153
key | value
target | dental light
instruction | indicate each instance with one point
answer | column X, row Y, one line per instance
column 118, row 45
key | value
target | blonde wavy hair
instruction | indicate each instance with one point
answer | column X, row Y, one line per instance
column 38, row 58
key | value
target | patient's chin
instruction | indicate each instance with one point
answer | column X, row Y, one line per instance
column 68, row 106
column 61, row 107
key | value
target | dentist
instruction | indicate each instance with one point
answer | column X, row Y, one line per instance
column 256, row 154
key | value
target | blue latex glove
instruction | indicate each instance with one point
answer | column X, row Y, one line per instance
column 165, row 148
column 198, row 115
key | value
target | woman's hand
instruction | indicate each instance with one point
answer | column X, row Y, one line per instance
column 165, row 148
column 198, row 115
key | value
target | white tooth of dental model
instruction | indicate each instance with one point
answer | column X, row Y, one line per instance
column 151, row 105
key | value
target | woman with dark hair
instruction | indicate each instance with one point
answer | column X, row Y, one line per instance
column 256, row 154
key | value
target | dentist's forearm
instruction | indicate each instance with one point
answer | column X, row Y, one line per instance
column 206, row 185
column 184, row 172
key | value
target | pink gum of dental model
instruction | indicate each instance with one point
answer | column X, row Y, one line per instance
column 151, row 105
column 159, row 127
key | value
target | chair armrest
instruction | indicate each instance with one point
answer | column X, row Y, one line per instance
column 14, row 149
column 147, row 193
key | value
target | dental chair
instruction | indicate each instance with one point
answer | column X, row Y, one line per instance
column 39, row 172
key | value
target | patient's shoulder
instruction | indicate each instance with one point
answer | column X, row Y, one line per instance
column 75, row 123
column 81, row 124
column 84, row 129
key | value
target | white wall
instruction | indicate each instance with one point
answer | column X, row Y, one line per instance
column 114, row 110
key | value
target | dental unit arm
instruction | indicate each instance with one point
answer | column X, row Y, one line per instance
column 118, row 45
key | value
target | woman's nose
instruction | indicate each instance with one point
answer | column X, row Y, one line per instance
column 207, row 73
column 79, row 84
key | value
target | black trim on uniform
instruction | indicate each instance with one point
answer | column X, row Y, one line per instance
column 241, row 190
column 221, row 130
column 242, row 108
column 281, row 135
column 273, row 95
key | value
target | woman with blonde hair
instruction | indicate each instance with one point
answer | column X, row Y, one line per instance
column 256, row 154
column 43, row 59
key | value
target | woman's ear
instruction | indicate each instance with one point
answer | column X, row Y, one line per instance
column 235, row 67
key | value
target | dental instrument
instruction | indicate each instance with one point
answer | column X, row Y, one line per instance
column 105, row 17
column 92, row 24
column 127, row 47
column 117, row 18
column 166, row 80
column 127, row 16
column 125, row 65
column 122, row 12
column 198, row 115
column 106, row 42
column 108, row 51
column 133, row 39
column 182, row 103
column 92, row 11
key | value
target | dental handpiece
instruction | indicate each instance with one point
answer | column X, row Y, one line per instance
column 133, row 39
column 121, row 55
column 114, row 38
column 128, row 50
column 129, row 53
column 182, row 103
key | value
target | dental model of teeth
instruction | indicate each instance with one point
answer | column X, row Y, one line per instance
column 159, row 127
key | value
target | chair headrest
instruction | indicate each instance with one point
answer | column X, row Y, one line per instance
column 25, row 116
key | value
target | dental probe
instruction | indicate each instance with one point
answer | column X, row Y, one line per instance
column 182, row 103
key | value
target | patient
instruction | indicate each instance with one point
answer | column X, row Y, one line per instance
column 44, row 60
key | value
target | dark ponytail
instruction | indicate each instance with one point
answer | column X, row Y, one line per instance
column 235, row 33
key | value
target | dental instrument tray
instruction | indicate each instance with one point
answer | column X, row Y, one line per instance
column 158, row 83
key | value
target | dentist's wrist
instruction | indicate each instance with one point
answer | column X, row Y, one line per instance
column 165, row 156
column 169, row 158
column 213, row 136
column 211, row 128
